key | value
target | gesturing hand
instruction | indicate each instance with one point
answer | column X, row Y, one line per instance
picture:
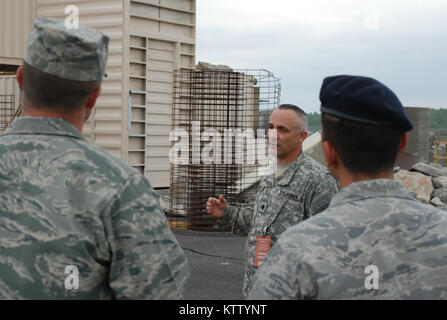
column 216, row 207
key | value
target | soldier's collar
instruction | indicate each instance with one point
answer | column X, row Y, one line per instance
column 43, row 126
column 378, row 188
column 287, row 175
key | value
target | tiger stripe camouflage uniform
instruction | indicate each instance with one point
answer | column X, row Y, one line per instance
column 65, row 202
column 368, row 223
column 303, row 190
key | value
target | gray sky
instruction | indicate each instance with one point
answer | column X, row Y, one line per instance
column 402, row 43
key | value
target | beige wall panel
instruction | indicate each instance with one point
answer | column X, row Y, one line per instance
column 173, row 16
column 160, row 55
column 159, row 151
column 186, row 61
column 160, row 97
column 137, row 144
column 145, row 10
column 167, row 66
column 186, row 5
column 138, row 114
column 160, row 109
column 160, row 76
column 157, row 177
column 161, row 45
column 107, row 127
column 137, row 54
column 16, row 22
column 139, row 24
column 158, row 119
column 137, row 70
column 154, row 2
column 159, row 164
column 106, row 114
column 159, row 141
column 108, row 142
column 188, row 48
column 160, row 130
column 175, row 30
column 162, row 87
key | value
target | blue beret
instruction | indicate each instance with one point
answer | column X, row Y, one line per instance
column 363, row 100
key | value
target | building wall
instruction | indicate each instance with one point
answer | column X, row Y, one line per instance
column 16, row 16
column 419, row 137
column 162, row 39
column 149, row 40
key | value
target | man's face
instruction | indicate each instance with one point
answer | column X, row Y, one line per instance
column 284, row 125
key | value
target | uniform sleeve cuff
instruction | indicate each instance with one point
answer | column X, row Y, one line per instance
column 230, row 214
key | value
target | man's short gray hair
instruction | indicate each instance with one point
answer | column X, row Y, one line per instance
column 300, row 113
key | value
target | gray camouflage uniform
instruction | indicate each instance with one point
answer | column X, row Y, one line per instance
column 376, row 222
column 302, row 191
column 66, row 204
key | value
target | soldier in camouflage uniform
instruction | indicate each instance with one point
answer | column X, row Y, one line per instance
column 375, row 241
column 300, row 189
column 76, row 222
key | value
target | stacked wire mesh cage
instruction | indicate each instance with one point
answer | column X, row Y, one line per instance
column 7, row 110
column 216, row 114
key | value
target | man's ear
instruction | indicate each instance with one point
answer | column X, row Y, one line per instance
column 90, row 103
column 302, row 136
column 91, row 100
column 403, row 141
column 19, row 77
column 329, row 153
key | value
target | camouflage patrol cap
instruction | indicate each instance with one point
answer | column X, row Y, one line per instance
column 71, row 54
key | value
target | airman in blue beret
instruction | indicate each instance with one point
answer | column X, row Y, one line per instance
column 374, row 241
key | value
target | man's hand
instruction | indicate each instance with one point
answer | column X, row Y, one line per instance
column 216, row 207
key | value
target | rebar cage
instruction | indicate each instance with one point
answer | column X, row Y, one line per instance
column 219, row 124
column 7, row 110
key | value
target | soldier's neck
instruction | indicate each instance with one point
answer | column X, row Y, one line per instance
column 75, row 118
column 346, row 178
column 290, row 158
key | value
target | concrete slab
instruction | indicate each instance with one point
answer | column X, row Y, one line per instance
column 216, row 262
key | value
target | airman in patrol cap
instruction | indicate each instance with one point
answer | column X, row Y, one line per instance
column 76, row 222
column 374, row 241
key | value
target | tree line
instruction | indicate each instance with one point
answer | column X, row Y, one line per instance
column 438, row 119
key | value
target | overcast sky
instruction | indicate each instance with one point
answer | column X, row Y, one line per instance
column 402, row 43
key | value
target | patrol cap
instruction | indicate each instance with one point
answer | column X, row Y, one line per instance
column 364, row 100
column 71, row 54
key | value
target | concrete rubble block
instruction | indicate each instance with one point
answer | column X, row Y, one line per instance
column 429, row 170
column 417, row 183
column 437, row 165
column 441, row 193
column 442, row 207
column 440, row 182
column 436, row 202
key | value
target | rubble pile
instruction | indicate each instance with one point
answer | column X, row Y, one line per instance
column 427, row 182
